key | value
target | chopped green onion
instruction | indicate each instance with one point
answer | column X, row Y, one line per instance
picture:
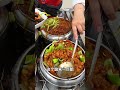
column 82, row 58
column 51, row 22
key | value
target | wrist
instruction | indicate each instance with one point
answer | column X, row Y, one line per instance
column 79, row 7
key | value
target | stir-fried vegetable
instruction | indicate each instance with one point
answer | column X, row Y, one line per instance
column 80, row 52
column 55, row 60
column 113, row 78
column 50, row 49
column 30, row 59
column 60, row 46
column 60, row 52
column 88, row 54
column 82, row 58
column 51, row 23
column 108, row 63
column 70, row 48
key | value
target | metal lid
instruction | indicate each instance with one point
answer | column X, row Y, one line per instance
column 3, row 20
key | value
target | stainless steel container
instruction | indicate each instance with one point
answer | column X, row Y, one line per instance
column 22, row 19
column 115, row 59
column 4, row 2
column 53, row 82
column 17, row 68
column 56, row 37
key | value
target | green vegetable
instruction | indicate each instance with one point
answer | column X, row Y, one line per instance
column 51, row 23
column 82, row 58
column 30, row 59
column 88, row 54
column 80, row 52
column 70, row 48
column 113, row 78
column 60, row 46
column 39, row 33
column 50, row 49
column 108, row 63
column 55, row 60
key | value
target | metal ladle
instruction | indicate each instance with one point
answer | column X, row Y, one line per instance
column 67, row 67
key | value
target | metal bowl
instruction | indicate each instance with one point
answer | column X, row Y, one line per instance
column 21, row 18
column 55, row 37
column 115, row 60
column 17, row 68
column 56, row 81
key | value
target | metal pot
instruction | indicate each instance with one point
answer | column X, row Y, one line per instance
column 56, row 37
column 4, row 2
column 115, row 59
column 17, row 68
column 21, row 18
column 56, row 82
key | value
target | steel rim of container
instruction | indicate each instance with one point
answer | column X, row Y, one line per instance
column 55, row 37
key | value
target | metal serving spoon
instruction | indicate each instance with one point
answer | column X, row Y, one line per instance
column 67, row 67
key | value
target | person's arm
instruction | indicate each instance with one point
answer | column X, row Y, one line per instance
column 78, row 22
column 109, row 7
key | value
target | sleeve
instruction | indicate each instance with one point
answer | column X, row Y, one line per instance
column 78, row 1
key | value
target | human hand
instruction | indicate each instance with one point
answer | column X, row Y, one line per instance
column 108, row 6
column 78, row 22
